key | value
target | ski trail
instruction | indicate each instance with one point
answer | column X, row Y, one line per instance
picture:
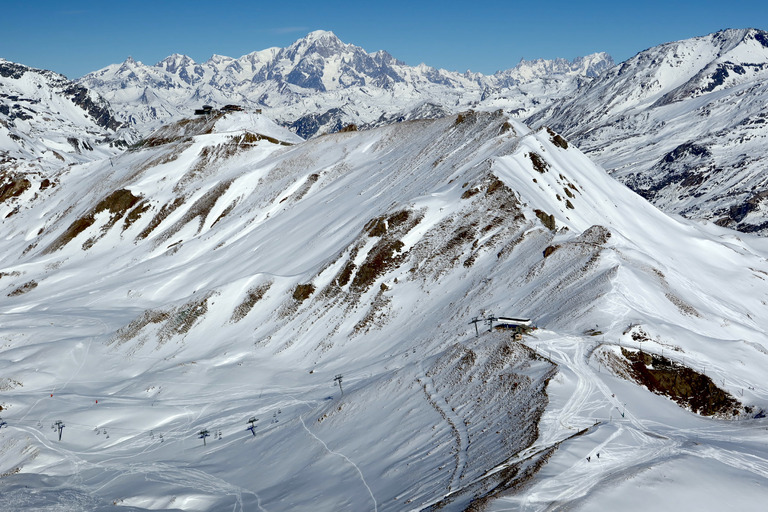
column 375, row 504
column 576, row 484
column 620, row 406
column 584, row 384
column 455, row 421
column 105, row 328
column 258, row 501
column 737, row 459
column 195, row 479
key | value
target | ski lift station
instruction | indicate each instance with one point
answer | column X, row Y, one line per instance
column 507, row 322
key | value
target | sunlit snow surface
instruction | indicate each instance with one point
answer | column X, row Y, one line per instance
column 130, row 336
column 685, row 123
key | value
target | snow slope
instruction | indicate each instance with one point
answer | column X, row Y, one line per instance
column 683, row 124
column 223, row 270
column 47, row 119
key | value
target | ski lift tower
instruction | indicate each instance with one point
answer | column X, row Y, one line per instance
column 60, row 427
column 338, row 379
column 490, row 321
column 475, row 320
column 252, row 428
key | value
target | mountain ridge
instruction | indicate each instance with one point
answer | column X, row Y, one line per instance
column 681, row 124
column 47, row 118
column 317, row 76
column 240, row 277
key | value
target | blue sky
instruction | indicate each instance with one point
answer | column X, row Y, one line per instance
column 75, row 37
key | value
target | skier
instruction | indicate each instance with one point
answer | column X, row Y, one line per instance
column 588, row 458
column 598, row 455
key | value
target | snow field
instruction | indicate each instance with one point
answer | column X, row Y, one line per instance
column 429, row 410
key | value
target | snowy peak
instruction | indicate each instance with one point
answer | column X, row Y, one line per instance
column 722, row 60
column 320, row 77
column 683, row 124
column 588, row 66
column 745, row 39
column 321, row 35
column 129, row 65
column 691, row 67
column 322, row 42
column 174, row 62
column 45, row 117
column 672, row 72
column 321, row 62
column 592, row 65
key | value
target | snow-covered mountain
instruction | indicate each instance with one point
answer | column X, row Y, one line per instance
column 685, row 124
column 48, row 121
column 320, row 84
column 226, row 317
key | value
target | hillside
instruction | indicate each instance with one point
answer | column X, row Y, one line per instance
column 683, row 124
column 51, row 121
column 223, row 270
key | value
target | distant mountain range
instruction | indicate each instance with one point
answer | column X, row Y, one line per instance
column 320, row 84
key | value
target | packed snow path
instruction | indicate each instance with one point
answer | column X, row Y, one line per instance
column 627, row 445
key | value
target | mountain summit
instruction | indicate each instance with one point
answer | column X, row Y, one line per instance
column 684, row 124
column 319, row 84
column 47, row 119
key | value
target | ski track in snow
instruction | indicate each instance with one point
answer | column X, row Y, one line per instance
column 362, row 478
column 654, row 442
column 217, row 393
column 74, row 374
column 454, row 421
column 584, row 385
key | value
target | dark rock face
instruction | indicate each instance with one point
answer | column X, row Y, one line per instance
column 688, row 165
column 309, row 125
column 307, row 75
column 98, row 111
column 762, row 38
column 687, row 150
column 11, row 70
column 12, row 185
column 685, row 386
column 736, row 214
column 16, row 111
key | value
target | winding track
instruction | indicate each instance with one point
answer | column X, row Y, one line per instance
column 454, row 421
column 653, row 443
